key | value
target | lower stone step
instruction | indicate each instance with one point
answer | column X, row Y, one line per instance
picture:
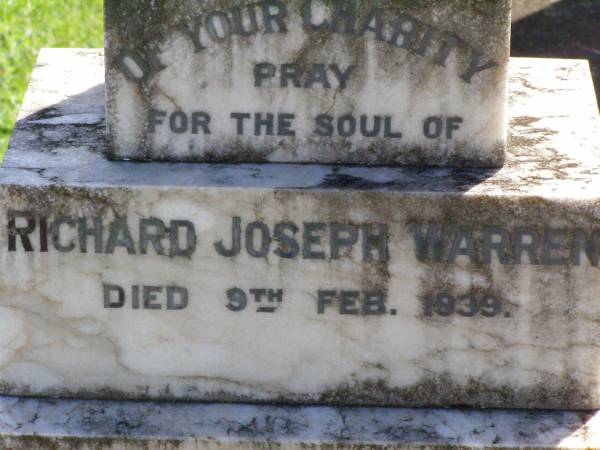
column 31, row 424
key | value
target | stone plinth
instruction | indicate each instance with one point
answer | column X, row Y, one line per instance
column 302, row 283
column 31, row 424
column 385, row 83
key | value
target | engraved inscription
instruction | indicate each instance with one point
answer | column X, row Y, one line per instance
column 390, row 26
column 266, row 300
column 170, row 298
column 320, row 75
column 309, row 240
column 66, row 234
column 473, row 304
column 351, row 302
column 371, row 246
column 439, row 243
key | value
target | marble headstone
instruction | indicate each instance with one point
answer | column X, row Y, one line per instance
column 302, row 283
column 386, row 82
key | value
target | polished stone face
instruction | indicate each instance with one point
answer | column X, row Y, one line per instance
column 302, row 283
column 390, row 82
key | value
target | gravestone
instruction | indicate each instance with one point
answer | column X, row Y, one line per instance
column 299, row 284
column 367, row 83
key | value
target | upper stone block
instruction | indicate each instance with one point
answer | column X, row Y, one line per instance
column 371, row 82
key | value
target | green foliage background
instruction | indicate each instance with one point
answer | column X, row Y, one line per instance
column 28, row 25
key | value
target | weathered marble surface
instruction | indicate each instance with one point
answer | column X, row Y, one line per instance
column 76, row 424
column 539, row 349
column 404, row 65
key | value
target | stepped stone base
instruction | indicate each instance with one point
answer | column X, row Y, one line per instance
column 31, row 424
column 304, row 284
